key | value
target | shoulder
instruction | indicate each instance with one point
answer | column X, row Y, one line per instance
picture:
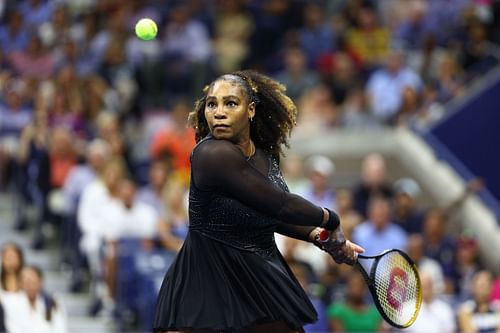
column 396, row 229
column 216, row 150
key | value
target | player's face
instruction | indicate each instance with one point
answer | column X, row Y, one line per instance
column 227, row 111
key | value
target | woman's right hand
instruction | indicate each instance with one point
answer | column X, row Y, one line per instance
column 341, row 250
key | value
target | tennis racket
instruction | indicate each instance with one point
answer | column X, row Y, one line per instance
column 394, row 284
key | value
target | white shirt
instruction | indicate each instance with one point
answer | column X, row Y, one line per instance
column 98, row 216
column 435, row 317
column 139, row 221
column 21, row 317
column 433, row 268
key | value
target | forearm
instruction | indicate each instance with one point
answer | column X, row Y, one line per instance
column 303, row 233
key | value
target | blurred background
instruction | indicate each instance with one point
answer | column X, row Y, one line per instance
column 398, row 130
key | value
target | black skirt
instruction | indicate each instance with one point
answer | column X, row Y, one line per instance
column 214, row 286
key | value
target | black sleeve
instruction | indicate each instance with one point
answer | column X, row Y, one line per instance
column 219, row 164
column 295, row 231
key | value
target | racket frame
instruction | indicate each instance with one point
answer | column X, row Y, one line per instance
column 370, row 282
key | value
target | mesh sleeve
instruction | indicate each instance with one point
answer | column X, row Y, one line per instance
column 219, row 164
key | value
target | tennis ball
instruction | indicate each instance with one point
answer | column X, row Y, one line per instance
column 146, row 29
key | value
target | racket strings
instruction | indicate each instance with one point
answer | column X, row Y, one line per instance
column 397, row 288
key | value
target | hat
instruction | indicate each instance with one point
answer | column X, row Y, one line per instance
column 321, row 164
column 407, row 186
column 467, row 239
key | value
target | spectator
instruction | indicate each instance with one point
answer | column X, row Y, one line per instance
column 33, row 61
column 378, row 232
column 296, row 76
column 479, row 54
column 319, row 189
column 466, row 266
column 174, row 228
column 12, row 264
column 137, row 219
column 59, row 27
column 373, row 182
column 413, row 30
column 477, row 314
column 99, row 215
column 439, row 245
column 450, row 79
column 55, row 165
column 187, row 50
column 416, row 251
column 233, row 28
column 426, row 60
column 132, row 219
column 70, row 54
column 315, row 37
column 176, row 140
column 293, row 172
column 355, row 112
column 342, row 77
column 35, row 12
column 318, row 111
column 385, row 87
column 13, row 36
column 151, row 194
column 368, row 41
column 435, row 316
column 31, row 174
column 14, row 116
column 354, row 313
column 345, row 206
column 80, row 176
column 35, row 310
column 406, row 213
column 273, row 20
column 67, row 107
column 110, row 130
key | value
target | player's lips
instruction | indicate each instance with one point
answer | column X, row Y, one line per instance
column 220, row 126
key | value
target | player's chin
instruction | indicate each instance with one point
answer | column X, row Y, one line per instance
column 222, row 134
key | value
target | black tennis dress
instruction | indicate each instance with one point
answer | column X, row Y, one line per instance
column 229, row 273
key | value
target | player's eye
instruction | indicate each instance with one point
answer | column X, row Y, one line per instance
column 231, row 104
column 211, row 105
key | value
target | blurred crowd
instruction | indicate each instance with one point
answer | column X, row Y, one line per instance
column 93, row 135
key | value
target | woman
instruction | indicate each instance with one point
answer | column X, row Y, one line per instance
column 12, row 259
column 35, row 310
column 229, row 276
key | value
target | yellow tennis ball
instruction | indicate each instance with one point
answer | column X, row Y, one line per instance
column 146, row 29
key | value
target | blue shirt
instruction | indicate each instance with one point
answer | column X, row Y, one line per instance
column 375, row 241
column 386, row 90
column 10, row 43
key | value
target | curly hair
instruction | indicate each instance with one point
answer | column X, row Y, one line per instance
column 275, row 113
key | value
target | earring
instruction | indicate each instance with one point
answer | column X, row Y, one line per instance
column 251, row 119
